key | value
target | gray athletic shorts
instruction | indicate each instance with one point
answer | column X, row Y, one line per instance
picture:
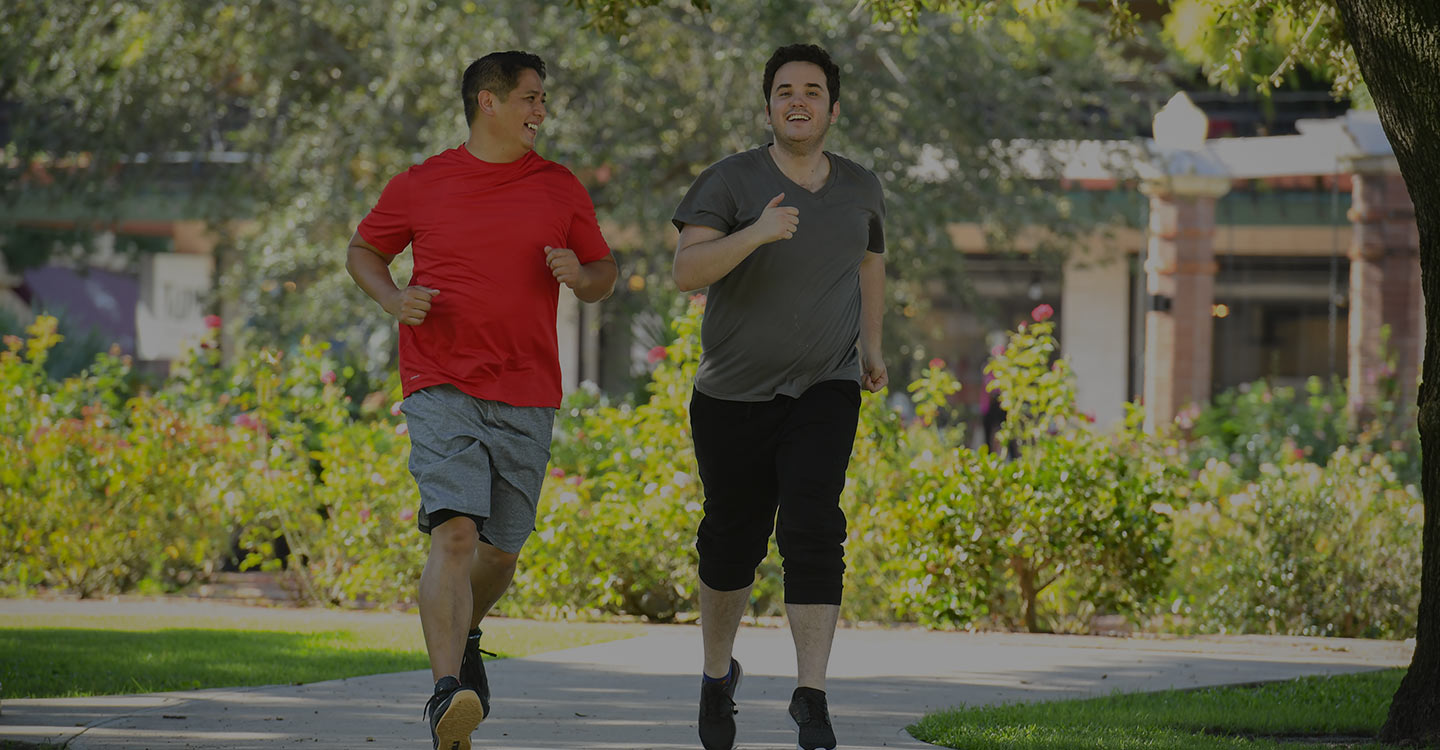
column 478, row 458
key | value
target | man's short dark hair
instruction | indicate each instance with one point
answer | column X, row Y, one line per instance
column 804, row 53
column 498, row 73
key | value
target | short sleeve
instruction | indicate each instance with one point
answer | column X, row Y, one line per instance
column 387, row 227
column 584, row 236
column 709, row 203
column 877, row 220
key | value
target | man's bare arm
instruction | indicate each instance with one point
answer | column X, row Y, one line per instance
column 370, row 269
column 703, row 255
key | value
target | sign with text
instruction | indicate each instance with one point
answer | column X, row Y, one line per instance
column 171, row 314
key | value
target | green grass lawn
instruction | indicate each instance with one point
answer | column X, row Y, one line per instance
column 48, row 656
column 1340, row 711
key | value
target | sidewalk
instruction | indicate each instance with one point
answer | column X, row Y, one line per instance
column 641, row 693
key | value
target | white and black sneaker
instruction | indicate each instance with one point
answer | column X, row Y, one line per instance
column 452, row 712
column 812, row 715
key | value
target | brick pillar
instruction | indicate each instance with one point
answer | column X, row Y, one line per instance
column 1180, row 281
column 1384, row 284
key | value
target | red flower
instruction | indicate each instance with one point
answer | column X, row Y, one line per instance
column 212, row 321
column 937, row 364
column 1042, row 312
column 657, row 354
column 327, row 377
column 557, row 472
column 395, row 409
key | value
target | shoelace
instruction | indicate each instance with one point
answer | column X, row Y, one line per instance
column 473, row 642
column 808, row 708
column 717, row 699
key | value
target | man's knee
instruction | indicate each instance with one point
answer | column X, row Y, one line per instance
column 455, row 538
column 492, row 556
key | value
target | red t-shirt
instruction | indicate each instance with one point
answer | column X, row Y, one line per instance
column 479, row 232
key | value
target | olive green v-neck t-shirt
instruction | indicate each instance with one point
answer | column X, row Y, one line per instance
column 788, row 316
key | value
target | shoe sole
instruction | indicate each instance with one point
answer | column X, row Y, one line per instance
column 460, row 719
column 799, row 746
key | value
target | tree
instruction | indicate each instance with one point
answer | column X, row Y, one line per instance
column 326, row 100
column 1397, row 43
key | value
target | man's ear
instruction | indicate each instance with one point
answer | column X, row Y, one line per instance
column 485, row 100
column 834, row 112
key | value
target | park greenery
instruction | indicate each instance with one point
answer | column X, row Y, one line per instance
column 148, row 649
column 286, row 151
column 1328, row 711
column 113, row 484
column 313, row 109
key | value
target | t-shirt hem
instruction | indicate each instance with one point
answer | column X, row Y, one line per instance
column 751, row 398
column 482, row 394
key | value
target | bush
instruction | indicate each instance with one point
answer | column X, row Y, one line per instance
column 96, row 495
column 1258, row 424
column 105, row 491
column 1302, row 550
column 1075, row 522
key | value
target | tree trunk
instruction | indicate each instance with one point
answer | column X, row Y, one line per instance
column 1398, row 45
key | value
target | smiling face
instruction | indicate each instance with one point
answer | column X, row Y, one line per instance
column 513, row 122
column 800, row 109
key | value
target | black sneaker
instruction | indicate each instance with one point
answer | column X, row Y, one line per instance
column 472, row 670
column 717, row 710
column 453, row 712
column 812, row 716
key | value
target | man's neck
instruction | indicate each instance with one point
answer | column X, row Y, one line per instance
column 807, row 167
column 486, row 150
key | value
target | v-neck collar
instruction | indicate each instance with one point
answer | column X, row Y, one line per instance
column 780, row 173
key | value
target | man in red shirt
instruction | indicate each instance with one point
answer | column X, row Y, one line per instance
column 495, row 229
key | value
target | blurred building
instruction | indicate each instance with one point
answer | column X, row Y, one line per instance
column 1276, row 257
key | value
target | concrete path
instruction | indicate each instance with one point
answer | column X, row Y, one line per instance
column 641, row 693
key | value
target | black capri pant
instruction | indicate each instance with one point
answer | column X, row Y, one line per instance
column 786, row 454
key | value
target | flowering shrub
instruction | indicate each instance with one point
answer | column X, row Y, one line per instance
column 1302, row 548
column 1075, row 523
column 97, row 494
column 618, row 514
column 102, row 490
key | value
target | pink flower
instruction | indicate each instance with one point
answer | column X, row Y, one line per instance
column 657, row 354
column 395, row 409
column 557, row 472
column 327, row 377
column 1042, row 312
column 937, row 364
column 364, row 515
column 248, row 420
column 1088, row 416
column 212, row 321
column 407, row 514
column 576, row 480
column 401, row 429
